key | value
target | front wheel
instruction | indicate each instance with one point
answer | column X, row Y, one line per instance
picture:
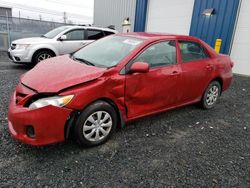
column 211, row 95
column 96, row 124
column 42, row 55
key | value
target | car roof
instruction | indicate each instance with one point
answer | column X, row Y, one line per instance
column 156, row 36
column 89, row 27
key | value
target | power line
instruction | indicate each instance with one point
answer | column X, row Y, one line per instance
column 60, row 2
column 27, row 7
column 62, row 16
column 40, row 10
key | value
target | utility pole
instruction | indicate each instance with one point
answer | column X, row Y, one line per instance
column 65, row 17
column 19, row 14
column 40, row 17
column 8, row 27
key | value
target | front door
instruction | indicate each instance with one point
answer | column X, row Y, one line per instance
column 75, row 39
column 157, row 89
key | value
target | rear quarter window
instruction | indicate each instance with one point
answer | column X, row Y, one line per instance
column 108, row 33
column 94, row 34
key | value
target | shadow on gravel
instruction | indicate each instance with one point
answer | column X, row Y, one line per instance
column 21, row 67
column 9, row 66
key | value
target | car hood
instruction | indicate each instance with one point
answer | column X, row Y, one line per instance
column 55, row 74
column 32, row 40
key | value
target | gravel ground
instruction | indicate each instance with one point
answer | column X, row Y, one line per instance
column 187, row 147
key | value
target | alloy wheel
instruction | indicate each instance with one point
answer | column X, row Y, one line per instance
column 43, row 57
column 212, row 95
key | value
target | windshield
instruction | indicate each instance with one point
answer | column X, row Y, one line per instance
column 108, row 51
column 51, row 34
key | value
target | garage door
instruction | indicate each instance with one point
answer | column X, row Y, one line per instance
column 241, row 44
column 169, row 16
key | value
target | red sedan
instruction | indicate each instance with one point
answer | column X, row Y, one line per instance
column 112, row 81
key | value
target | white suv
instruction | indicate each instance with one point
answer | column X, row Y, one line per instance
column 59, row 41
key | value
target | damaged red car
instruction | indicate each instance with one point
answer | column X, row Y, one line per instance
column 112, row 81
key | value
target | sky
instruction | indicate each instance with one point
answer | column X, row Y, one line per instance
column 77, row 11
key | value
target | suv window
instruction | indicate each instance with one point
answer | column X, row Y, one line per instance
column 191, row 51
column 160, row 54
column 75, row 34
column 51, row 34
column 108, row 33
column 94, row 34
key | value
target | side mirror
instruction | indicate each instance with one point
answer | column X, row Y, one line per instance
column 63, row 37
column 139, row 67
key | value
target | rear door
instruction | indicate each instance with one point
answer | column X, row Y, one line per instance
column 73, row 42
column 197, row 68
column 157, row 89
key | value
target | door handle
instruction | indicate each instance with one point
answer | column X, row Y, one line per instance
column 175, row 73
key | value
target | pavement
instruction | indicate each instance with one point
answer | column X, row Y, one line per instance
column 3, row 56
column 186, row 147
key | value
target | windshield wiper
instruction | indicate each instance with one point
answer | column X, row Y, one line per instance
column 43, row 36
column 83, row 61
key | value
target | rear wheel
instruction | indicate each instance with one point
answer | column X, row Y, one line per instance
column 96, row 124
column 211, row 95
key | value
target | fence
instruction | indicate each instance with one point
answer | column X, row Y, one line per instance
column 12, row 28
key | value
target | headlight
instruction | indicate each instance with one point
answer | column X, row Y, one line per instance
column 22, row 46
column 58, row 101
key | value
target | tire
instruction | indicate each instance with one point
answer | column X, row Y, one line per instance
column 98, row 118
column 42, row 55
column 211, row 95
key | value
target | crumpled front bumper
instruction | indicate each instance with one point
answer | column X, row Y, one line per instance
column 48, row 123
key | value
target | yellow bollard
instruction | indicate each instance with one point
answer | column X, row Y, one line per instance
column 217, row 45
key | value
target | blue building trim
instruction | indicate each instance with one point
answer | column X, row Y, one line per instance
column 220, row 25
column 140, row 15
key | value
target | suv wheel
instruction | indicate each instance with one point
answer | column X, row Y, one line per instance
column 42, row 55
column 96, row 124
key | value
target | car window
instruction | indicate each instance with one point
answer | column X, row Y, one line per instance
column 108, row 51
column 75, row 35
column 94, row 34
column 51, row 34
column 160, row 54
column 108, row 33
column 191, row 51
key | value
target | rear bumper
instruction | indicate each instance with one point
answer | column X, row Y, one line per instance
column 48, row 123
